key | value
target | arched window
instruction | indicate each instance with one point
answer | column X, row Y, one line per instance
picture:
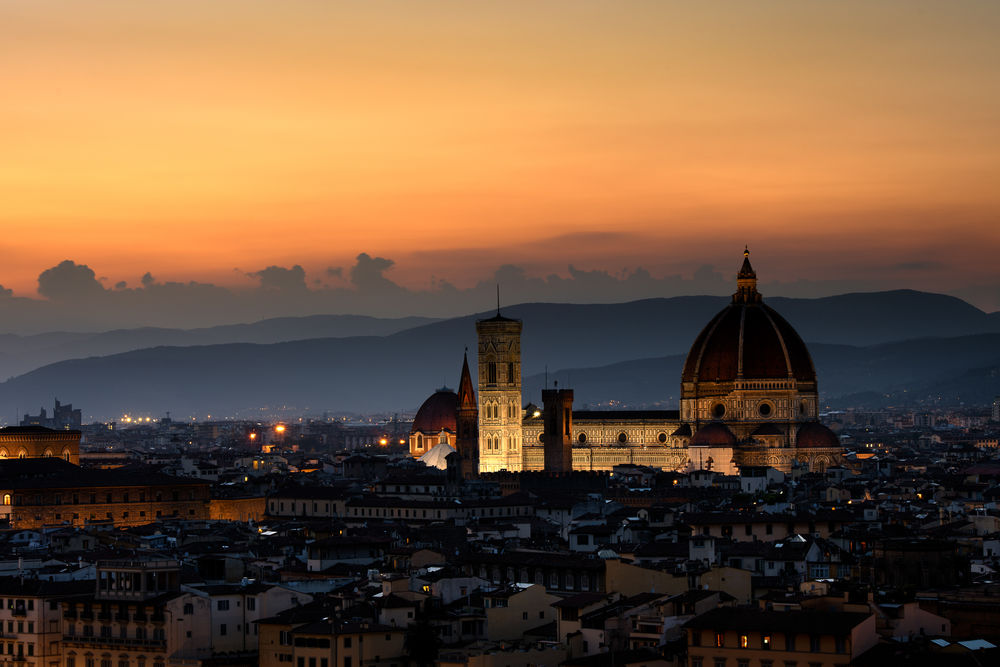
column 6, row 499
column 4, row 454
column 47, row 453
column 23, row 454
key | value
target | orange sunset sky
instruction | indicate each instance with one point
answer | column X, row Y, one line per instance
column 842, row 140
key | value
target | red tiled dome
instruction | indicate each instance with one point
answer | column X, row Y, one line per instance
column 748, row 339
column 713, row 435
column 438, row 413
column 814, row 434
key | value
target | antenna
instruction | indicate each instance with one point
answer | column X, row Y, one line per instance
column 498, row 299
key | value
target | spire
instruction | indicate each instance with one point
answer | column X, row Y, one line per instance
column 746, row 281
column 466, row 394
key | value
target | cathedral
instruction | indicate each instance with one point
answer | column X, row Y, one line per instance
column 748, row 398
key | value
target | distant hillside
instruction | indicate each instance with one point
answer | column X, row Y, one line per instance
column 397, row 372
column 20, row 354
column 945, row 371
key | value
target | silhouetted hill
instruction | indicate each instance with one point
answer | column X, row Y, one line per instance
column 962, row 369
column 397, row 371
column 20, row 354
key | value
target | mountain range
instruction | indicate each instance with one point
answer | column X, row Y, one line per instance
column 901, row 345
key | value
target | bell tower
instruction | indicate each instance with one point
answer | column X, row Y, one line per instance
column 500, row 446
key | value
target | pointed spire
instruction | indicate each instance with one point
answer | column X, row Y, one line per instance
column 466, row 394
column 746, row 281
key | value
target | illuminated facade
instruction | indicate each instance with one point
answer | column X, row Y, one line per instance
column 36, row 442
column 500, row 412
column 748, row 397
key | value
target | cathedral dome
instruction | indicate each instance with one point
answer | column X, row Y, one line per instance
column 815, row 435
column 713, row 435
column 438, row 413
column 748, row 340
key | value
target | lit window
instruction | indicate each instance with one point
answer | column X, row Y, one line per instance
column 744, row 641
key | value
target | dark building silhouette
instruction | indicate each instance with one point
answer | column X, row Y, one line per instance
column 63, row 417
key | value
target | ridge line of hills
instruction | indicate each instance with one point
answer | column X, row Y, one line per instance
column 612, row 354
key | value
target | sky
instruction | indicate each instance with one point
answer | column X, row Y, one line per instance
column 249, row 146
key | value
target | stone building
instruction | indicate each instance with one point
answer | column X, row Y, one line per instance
column 51, row 492
column 749, row 397
column 36, row 442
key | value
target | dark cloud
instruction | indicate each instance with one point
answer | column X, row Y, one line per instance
column 69, row 281
column 77, row 301
column 367, row 274
column 280, row 278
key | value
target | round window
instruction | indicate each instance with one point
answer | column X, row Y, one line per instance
column 718, row 410
column 541, row 437
column 582, row 438
column 765, row 409
column 622, row 438
column 662, row 438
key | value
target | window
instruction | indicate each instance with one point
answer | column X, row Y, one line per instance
column 347, row 642
column 841, row 644
column 188, row 609
column 789, row 642
column 719, row 662
column 696, row 661
column 720, row 640
column 765, row 642
column 814, row 643
column 222, row 605
column 696, row 638
column 251, row 604
column 744, row 641
column 222, row 629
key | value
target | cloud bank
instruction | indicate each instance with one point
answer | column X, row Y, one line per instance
column 71, row 297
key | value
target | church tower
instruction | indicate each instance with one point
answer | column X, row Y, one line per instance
column 500, row 446
column 467, row 424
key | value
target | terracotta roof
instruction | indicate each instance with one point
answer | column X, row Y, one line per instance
column 816, row 435
column 713, row 435
column 438, row 413
column 748, row 339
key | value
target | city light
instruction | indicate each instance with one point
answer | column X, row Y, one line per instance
column 280, row 428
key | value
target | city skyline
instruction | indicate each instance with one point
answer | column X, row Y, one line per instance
column 209, row 143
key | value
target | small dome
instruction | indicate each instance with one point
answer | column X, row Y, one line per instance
column 814, row 435
column 713, row 435
column 438, row 413
column 437, row 457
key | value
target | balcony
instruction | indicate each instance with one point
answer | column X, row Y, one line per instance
column 19, row 611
